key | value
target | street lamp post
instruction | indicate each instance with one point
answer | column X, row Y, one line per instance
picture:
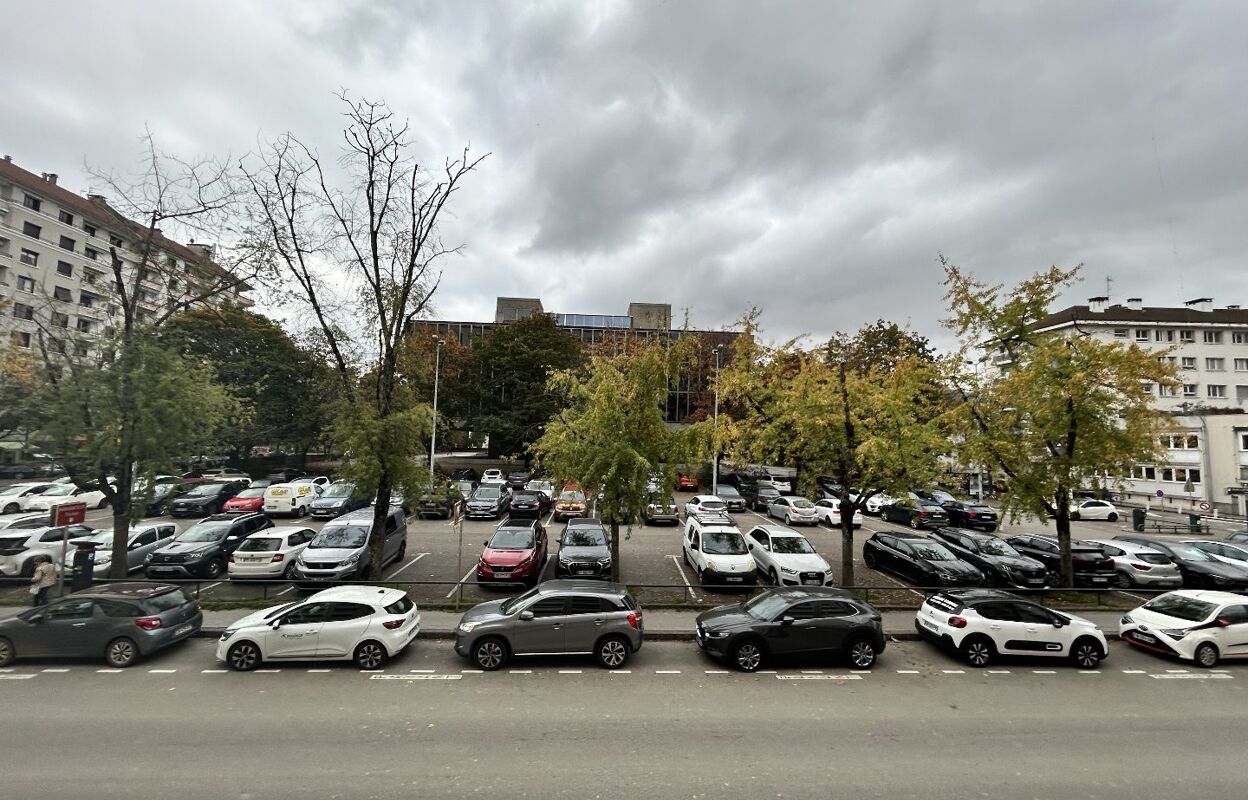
column 715, row 426
column 437, row 365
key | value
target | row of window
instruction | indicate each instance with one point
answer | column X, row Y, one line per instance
column 1214, row 391
column 1182, row 336
column 1182, row 441
column 24, row 340
column 1211, row 364
column 1168, row 474
column 35, row 204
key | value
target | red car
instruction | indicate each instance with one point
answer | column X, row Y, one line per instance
column 686, row 483
column 246, row 501
column 516, row 553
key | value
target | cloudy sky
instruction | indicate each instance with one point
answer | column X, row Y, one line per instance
column 809, row 158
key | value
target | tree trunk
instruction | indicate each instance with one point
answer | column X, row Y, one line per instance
column 121, row 502
column 847, row 542
column 615, row 550
column 1062, row 500
column 377, row 539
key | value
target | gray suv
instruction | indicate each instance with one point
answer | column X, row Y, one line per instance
column 554, row 618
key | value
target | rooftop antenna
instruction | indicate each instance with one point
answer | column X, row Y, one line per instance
column 1108, row 281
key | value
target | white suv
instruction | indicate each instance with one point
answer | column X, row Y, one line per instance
column 270, row 553
column 1199, row 626
column 716, row 551
column 982, row 623
column 364, row 624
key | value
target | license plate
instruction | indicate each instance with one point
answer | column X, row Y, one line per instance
column 928, row 625
column 584, row 572
column 1036, row 581
column 1100, row 580
column 181, row 629
column 1144, row 637
column 734, row 580
column 812, row 582
column 502, row 574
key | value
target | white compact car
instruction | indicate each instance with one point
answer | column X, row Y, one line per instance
column 63, row 493
column 270, row 553
column 365, row 624
column 1094, row 509
column 829, row 513
column 787, row 558
column 493, row 476
column 703, row 503
column 292, row 499
column 982, row 624
column 1199, row 626
column 876, row 502
column 793, row 510
column 11, row 496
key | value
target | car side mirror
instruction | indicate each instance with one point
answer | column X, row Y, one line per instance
column 485, row 544
column 694, row 546
column 1223, row 622
column 1059, row 623
column 525, row 616
column 277, row 623
column 787, row 620
column 34, row 619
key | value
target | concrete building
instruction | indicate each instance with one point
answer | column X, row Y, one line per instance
column 1207, row 456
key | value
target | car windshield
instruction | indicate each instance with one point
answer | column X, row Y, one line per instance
column 1189, row 553
column 932, row 551
column 166, row 601
column 512, row 539
column 790, row 544
column 769, row 490
column 765, row 606
column 101, row 537
column 205, row 489
column 204, row 532
column 340, row 537
column 60, row 490
column 720, row 543
column 712, row 504
column 573, row 497
column 259, row 492
column 266, row 544
column 996, row 547
column 584, row 537
column 526, row 497
column 1180, row 607
column 508, row 605
column 728, row 491
column 486, row 494
column 802, row 502
column 339, row 490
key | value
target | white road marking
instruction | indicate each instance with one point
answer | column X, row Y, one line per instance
column 620, row 672
column 819, row 677
column 409, row 677
column 418, row 557
column 213, row 671
column 1134, row 672
column 692, row 594
column 812, row 672
column 1089, row 672
column 210, row 587
column 860, row 671
column 288, row 589
column 461, row 582
column 422, row 670
column 7, row 669
column 1177, row 671
column 17, row 677
column 716, row 671
column 954, row 671
column 667, row 672
column 908, row 672
column 1044, row 672
column 997, row 671
column 766, row 672
column 109, row 671
column 1219, row 670
column 59, row 669
column 519, row 671
column 266, row 671
column 1197, row 676
column 471, row 671
column 161, row 671
column 318, row 670
column 569, row 672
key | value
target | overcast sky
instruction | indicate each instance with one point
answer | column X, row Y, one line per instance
column 809, row 158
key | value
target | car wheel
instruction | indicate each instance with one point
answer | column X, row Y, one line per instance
column 12, row 508
column 914, row 523
column 861, row 654
column 402, row 550
column 103, row 503
column 6, row 652
column 1112, row 517
column 978, row 651
column 613, row 652
column 213, row 569
column 685, row 555
column 787, row 520
column 1206, row 655
column 1074, row 515
column 370, row 655
column 747, row 656
column 489, row 654
column 990, row 528
column 1086, row 653
column 28, row 569
column 121, row 652
column 868, row 558
column 289, row 573
column 243, row 657
column 775, row 578
column 1125, row 581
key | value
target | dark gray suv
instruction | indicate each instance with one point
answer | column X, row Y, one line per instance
column 554, row 618
column 584, row 551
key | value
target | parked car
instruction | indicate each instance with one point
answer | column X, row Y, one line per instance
column 290, row 499
column 1199, row 569
column 247, row 501
column 584, row 551
column 493, row 474
column 571, row 503
column 162, row 495
column 914, row 511
column 24, row 521
column 438, row 502
column 202, row 550
column 686, row 482
column 465, row 474
column 545, row 487
column 284, row 475
column 786, row 557
column 1092, row 567
column 828, row 511
column 489, row 502
column 11, row 496
column 981, row 624
column 1226, row 553
column 142, row 539
column 1139, row 565
column 875, row 503
column 341, row 551
column 759, row 496
column 793, row 510
column 271, row 553
column 1094, row 509
column 1199, row 626
column 516, row 553
column 1237, row 538
column 733, row 500
column 217, row 475
column 704, row 503
column 64, row 493
column 792, row 622
column 570, row 617
column 205, row 499
column 365, row 624
column 660, row 509
column 120, row 622
column 19, row 545
column 517, row 478
column 527, row 504
column 971, row 515
column 338, row 498
column 716, row 551
column 1000, row 562
column 938, row 496
column 919, row 559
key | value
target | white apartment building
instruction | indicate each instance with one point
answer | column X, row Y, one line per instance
column 55, row 267
column 1207, row 459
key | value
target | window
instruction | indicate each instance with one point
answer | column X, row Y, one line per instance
column 1171, row 360
column 84, row 325
column 60, row 320
column 1147, row 387
column 549, row 607
column 22, row 311
column 1241, row 365
column 345, row 612
column 808, row 610
column 71, row 609
column 32, row 203
column 1215, row 364
column 1141, row 334
column 1213, row 337
column 66, row 217
column 25, row 284
column 20, row 339
column 88, row 228
column 1167, row 391
column 1121, row 333
column 1187, row 337
column 1192, row 441
column 113, row 608
column 1167, row 474
column 67, row 243
column 1189, row 389
column 1216, row 390
column 1164, row 335
column 1189, row 362
column 65, row 268
column 62, row 294
column 1141, row 473
column 1243, row 441
column 1189, row 474
column 1239, row 337
column 1243, row 473
column 31, row 229
column 116, row 241
column 85, row 300
column 588, row 604
column 29, row 257
column 91, row 253
column 304, row 615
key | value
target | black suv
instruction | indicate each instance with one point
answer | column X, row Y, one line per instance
column 201, row 550
column 920, row 560
column 758, row 496
column 518, row 478
column 1003, row 565
column 1092, row 567
column 205, row 499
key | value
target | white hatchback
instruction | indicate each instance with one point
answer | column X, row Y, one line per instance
column 63, row 493
column 829, row 511
column 270, row 553
column 1199, row 626
column 365, row 624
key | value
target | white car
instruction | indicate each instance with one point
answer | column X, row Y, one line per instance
column 270, row 553
column 11, row 496
column 786, row 557
column 983, row 623
column 703, row 503
column 1199, row 626
column 19, row 546
column 319, row 481
column 143, row 539
column 1094, row 509
column 716, row 551
column 365, row 624
column 876, row 502
column 829, row 513
column 793, row 510
column 493, row 476
column 24, row 521
column 292, row 499
column 63, row 493
column 1236, row 554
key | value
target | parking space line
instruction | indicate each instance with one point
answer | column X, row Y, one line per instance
column 472, row 671
column 954, row 671
column 318, row 670
column 909, row 672
column 461, row 582
column 570, row 672
column 1176, row 671
column 58, row 669
column 689, row 588
column 213, row 671
column 1134, row 672
column 716, row 671
column 1044, row 672
column 514, row 671
column 1089, row 672
column 422, row 670
column 408, row 564
column 997, row 671
column 109, row 671
column 619, row 672
column 812, row 672
column 210, row 587
column 667, row 672
column 267, row 671
column 160, row 671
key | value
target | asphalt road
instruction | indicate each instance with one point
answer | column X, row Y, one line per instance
column 676, row 725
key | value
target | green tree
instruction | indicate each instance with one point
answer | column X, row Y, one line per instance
column 1066, row 410
column 612, row 435
column 879, row 345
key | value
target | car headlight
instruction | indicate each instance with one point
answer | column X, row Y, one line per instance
column 148, row 558
column 563, row 559
column 712, row 566
column 1174, row 633
column 351, row 560
column 605, row 561
column 104, row 558
column 788, row 570
column 227, row 633
column 716, row 634
column 1126, row 620
column 466, row 627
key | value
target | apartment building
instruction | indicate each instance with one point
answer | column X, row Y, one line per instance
column 1207, row 455
column 56, row 270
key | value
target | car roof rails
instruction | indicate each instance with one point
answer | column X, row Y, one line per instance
column 714, row 518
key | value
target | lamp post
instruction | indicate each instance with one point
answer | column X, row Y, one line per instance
column 437, row 365
column 715, row 426
column 979, row 475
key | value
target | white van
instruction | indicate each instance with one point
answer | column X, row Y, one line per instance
column 292, row 499
column 716, row 551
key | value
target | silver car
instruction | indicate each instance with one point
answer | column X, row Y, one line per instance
column 143, row 539
column 1139, row 565
column 793, row 510
column 340, row 552
column 572, row 617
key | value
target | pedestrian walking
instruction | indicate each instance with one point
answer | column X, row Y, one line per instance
column 42, row 580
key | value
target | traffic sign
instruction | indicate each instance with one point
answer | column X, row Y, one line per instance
column 67, row 514
column 1160, row 493
column 1204, row 505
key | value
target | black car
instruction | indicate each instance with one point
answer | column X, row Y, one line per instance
column 518, row 478
column 528, row 504
column 204, row 499
column 1092, row 567
column 162, row 495
column 759, row 496
column 584, row 550
column 439, row 503
column 201, row 550
column 733, row 500
column 1199, row 569
column 1003, row 565
column 915, row 512
column 792, row 622
column 340, row 497
column 465, row 474
column 919, row 559
column 970, row 515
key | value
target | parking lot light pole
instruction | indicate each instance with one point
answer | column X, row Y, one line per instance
column 715, row 426
column 433, row 438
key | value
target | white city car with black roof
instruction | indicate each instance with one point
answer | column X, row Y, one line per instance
column 982, row 624
column 1200, row 626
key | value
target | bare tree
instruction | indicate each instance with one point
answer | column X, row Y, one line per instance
column 363, row 257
